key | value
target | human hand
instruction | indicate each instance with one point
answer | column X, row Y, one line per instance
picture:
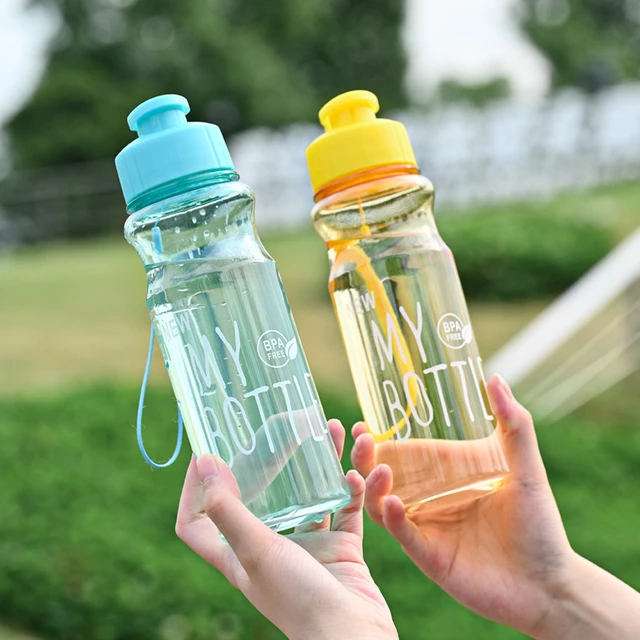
column 311, row 584
column 506, row 556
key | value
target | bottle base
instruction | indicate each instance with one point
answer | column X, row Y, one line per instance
column 298, row 515
column 456, row 494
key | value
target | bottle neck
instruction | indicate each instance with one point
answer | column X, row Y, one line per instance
column 361, row 177
column 396, row 204
column 181, row 185
column 213, row 218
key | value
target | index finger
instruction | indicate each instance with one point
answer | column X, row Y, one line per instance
column 378, row 487
column 197, row 531
column 250, row 539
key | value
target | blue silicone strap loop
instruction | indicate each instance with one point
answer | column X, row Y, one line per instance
column 145, row 379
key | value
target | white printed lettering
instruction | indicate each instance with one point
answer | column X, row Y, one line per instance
column 368, row 300
column 265, row 425
column 313, row 395
column 244, row 438
column 234, row 354
column 314, row 435
column 387, row 348
column 465, row 391
column 182, row 320
column 416, row 329
column 208, row 372
column 487, row 414
column 412, row 375
column 283, row 385
column 395, row 406
column 443, row 402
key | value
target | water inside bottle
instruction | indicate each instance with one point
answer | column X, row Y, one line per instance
column 243, row 385
column 416, row 367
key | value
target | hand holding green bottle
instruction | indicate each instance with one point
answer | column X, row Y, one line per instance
column 313, row 584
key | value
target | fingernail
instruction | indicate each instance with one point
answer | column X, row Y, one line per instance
column 208, row 467
column 504, row 385
column 500, row 395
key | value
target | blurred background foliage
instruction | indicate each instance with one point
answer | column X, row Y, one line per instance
column 590, row 43
column 245, row 63
column 242, row 63
column 477, row 94
column 88, row 551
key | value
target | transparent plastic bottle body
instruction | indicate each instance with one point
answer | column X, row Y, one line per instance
column 406, row 329
column 232, row 350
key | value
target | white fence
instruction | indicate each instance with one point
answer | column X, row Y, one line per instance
column 506, row 152
column 583, row 343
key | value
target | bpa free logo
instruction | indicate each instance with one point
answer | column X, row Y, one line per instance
column 275, row 350
column 453, row 332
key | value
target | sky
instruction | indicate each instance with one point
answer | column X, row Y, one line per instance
column 23, row 38
column 471, row 40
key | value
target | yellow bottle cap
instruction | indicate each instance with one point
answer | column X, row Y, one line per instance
column 355, row 140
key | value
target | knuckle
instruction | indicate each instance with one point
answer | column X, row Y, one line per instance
column 523, row 415
column 374, row 514
column 254, row 560
column 182, row 527
column 182, row 531
column 213, row 501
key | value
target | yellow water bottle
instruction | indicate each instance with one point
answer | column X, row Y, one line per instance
column 401, row 310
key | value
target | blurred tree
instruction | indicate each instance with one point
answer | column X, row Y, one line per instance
column 590, row 43
column 477, row 94
column 241, row 63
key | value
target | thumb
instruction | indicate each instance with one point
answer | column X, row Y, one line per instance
column 248, row 537
column 517, row 434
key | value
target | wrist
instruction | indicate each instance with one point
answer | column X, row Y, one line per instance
column 351, row 630
column 592, row 605
column 364, row 632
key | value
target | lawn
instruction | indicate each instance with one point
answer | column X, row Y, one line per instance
column 88, row 549
column 11, row 634
column 77, row 312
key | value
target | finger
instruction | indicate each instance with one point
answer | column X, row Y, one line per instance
column 249, row 538
column 349, row 518
column 413, row 541
column 337, row 435
column 363, row 454
column 517, row 434
column 197, row 531
column 358, row 429
column 378, row 485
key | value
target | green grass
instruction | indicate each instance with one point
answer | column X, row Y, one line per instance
column 616, row 207
column 88, row 549
column 12, row 634
column 77, row 312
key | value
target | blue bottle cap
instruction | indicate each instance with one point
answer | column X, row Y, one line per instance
column 168, row 147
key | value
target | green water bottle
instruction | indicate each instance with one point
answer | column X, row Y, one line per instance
column 222, row 318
